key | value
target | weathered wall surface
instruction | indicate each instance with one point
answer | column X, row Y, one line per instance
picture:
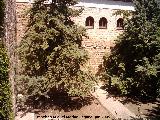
column 100, row 40
column 22, row 19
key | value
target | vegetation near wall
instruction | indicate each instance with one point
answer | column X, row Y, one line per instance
column 5, row 93
column 51, row 53
column 134, row 63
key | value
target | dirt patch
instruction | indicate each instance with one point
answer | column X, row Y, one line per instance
column 60, row 106
column 94, row 111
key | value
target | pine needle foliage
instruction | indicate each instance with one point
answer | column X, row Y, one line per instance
column 51, row 53
column 134, row 63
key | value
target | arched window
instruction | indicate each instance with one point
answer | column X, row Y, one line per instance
column 103, row 23
column 120, row 24
column 90, row 22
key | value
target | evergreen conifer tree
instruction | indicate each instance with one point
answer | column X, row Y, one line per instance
column 51, row 53
column 133, row 65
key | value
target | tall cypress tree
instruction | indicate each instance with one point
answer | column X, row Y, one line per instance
column 134, row 62
column 51, row 53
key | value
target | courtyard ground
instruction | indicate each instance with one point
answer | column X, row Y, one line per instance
column 147, row 110
column 144, row 110
column 62, row 107
column 105, row 107
column 93, row 111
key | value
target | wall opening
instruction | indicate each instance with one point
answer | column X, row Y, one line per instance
column 103, row 23
column 120, row 25
column 90, row 22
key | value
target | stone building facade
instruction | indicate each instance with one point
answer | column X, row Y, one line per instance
column 97, row 17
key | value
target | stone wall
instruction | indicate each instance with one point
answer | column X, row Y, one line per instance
column 100, row 40
column 22, row 18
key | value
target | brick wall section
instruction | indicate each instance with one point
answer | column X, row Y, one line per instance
column 100, row 40
column 22, row 19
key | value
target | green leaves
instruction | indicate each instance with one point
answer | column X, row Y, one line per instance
column 5, row 93
column 134, row 60
column 51, row 53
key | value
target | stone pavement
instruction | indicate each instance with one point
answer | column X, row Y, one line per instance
column 116, row 108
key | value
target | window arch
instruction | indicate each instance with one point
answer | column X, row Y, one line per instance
column 90, row 22
column 103, row 23
column 120, row 23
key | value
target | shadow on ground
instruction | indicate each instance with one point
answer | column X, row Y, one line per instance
column 144, row 108
column 113, row 92
column 154, row 114
column 59, row 101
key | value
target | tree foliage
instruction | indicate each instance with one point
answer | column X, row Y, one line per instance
column 5, row 93
column 134, row 63
column 51, row 53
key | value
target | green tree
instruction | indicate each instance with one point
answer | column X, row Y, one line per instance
column 133, row 65
column 51, row 53
column 5, row 92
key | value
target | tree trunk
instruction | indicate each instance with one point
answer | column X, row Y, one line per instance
column 10, row 43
